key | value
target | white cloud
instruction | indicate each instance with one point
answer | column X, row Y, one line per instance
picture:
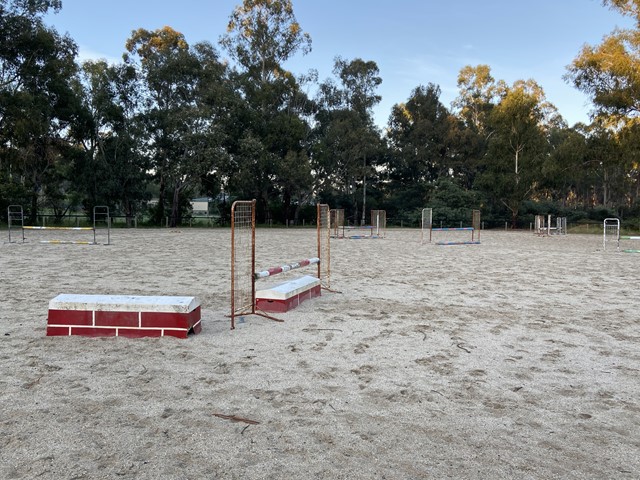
column 86, row 53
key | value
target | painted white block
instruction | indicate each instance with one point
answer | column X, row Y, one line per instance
column 124, row 303
column 288, row 289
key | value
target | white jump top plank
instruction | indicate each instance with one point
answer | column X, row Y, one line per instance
column 124, row 303
column 288, row 289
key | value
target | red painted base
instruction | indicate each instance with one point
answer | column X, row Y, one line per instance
column 281, row 306
column 100, row 323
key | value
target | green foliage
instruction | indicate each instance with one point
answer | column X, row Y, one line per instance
column 451, row 204
column 420, row 133
column 347, row 146
column 262, row 35
column 110, row 170
column 182, row 112
column 174, row 120
column 11, row 193
column 37, row 101
column 511, row 169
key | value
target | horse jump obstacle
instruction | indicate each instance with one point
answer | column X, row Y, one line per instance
column 377, row 229
column 426, row 223
column 357, row 232
column 611, row 232
column 123, row 316
column 475, row 226
column 611, row 229
column 245, row 300
column 336, row 222
column 379, row 223
column 630, row 237
column 15, row 214
column 544, row 228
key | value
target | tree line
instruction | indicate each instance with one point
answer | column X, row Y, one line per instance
column 174, row 120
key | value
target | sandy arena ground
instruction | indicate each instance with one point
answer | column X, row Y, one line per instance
column 518, row 358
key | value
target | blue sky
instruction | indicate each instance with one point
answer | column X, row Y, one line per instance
column 413, row 42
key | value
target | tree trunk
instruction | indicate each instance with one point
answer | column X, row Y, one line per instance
column 33, row 214
column 175, row 219
column 355, row 204
column 605, row 189
column 159, row 216
column 128, row 212
column 266, row 213
column 286, row 205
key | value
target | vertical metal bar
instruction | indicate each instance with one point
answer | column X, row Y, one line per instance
column 253, row 256
column 324, row 244
column 9, row 221
column 328, row 254
column 318, row 240
column 233, row 266
column 430, row 229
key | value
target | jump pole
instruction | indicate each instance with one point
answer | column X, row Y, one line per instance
column 286, row 268
column 630, row 237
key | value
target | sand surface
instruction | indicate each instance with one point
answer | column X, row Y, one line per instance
column 517, row 358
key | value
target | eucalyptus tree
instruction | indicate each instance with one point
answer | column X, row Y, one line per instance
column 262, row 35
column 184, row 127
column 518, row 146
column 608, row 72
column 606, row 164
column 592, row 165
column 37, row 101
column 479, row 93
column 348, row 146
column 112, row 169
column 629, row 140
column 269, row 158
column 565, row 176
column 421, row 134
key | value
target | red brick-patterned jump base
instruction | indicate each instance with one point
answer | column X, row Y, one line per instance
column 285, row 296
column 123, row 316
